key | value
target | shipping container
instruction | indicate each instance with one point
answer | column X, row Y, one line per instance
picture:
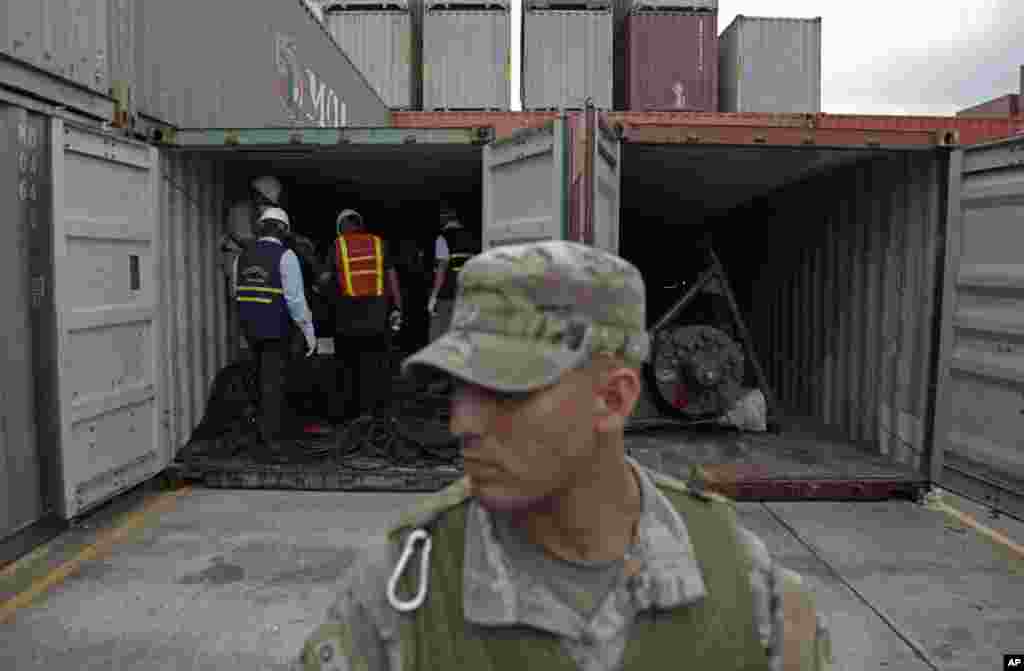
column 853, row 315
column 671, row 61
column 971, row 131
column 673, row 5
column 1008, row 105
column 67, row 39
column 770, row 65
column 566, row 58
column 980, row 420
column 574, row 5
column 502, row 123
column 723, row 179
column 27, row 457
column 467, row 53
column 377, row 37
column 283, row 68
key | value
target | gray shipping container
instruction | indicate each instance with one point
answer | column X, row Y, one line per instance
column 466, row 55
column 770, row 65
column 68, row 39
column 118, row 313
column 26, row 472
column 377, row 37
column 282, row 68
column 566, row 58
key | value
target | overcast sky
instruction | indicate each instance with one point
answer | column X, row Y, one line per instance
column 894, row 57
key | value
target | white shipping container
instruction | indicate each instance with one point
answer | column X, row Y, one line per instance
column 770, row 65
column 566, row 58
column 379, row 44
column 68, row 39
column 466, row 57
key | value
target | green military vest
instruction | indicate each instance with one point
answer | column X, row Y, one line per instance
column 715, row 633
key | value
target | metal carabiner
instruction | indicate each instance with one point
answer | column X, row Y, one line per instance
column 417, row 601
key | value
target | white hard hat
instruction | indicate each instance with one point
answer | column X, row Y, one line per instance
column 277, row 214
column 269, row 186
column 348, row 214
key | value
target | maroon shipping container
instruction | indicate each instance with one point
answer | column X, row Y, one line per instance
column 1008, row 105
column 672, row 61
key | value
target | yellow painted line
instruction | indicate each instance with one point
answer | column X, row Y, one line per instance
column 105, row 540
column 968, row 520
column 37, row 554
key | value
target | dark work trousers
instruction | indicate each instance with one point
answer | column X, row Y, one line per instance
column 416, row 321
column 271, row 357
column 363, row 366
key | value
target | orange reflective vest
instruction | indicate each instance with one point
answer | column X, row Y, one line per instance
column 360, row 265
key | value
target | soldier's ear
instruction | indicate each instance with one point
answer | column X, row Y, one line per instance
column 616, row 394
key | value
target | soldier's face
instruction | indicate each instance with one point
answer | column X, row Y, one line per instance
column 523, row 451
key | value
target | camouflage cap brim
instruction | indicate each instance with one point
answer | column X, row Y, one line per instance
column 493, row 361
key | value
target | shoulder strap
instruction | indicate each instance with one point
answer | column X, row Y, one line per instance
column 425, row 512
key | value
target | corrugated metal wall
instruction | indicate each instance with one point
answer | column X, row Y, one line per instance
column 121, row 41
column 770, row 65
column 63, row 37
column 466, row 59
column 379, row 43
column 193, row 296
column 566, row 58
column 24, row 181
column 980, row 426
column 254, row 83
column 844, row 312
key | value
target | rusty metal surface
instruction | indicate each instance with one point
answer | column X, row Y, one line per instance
column 805, row 461
column 671, row 61
column 785, row 136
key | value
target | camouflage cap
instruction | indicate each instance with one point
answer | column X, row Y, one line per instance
column 526, row 314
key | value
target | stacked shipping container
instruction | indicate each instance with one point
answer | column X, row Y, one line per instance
column 1008, row 105
column 671, row 56
column 567, row 49
column 466, row 54
column 770, row 65
column 377, row 36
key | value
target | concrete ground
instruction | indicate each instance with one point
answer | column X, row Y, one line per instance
column 225, row 580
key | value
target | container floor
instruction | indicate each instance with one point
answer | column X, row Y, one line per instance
column 414, row 453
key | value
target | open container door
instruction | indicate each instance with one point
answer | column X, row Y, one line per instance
column 979, row 432
column 105, row 234
column 525, row 186
column 603, row 182
column 397, row 179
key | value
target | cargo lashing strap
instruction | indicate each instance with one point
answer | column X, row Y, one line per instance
column 396, row 575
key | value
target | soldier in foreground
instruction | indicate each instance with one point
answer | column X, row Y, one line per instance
column 558, row 551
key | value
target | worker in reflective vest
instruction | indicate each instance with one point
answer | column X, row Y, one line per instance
column 243, row 221
column 454, row 246
column 270, row 298
column 362, row 280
